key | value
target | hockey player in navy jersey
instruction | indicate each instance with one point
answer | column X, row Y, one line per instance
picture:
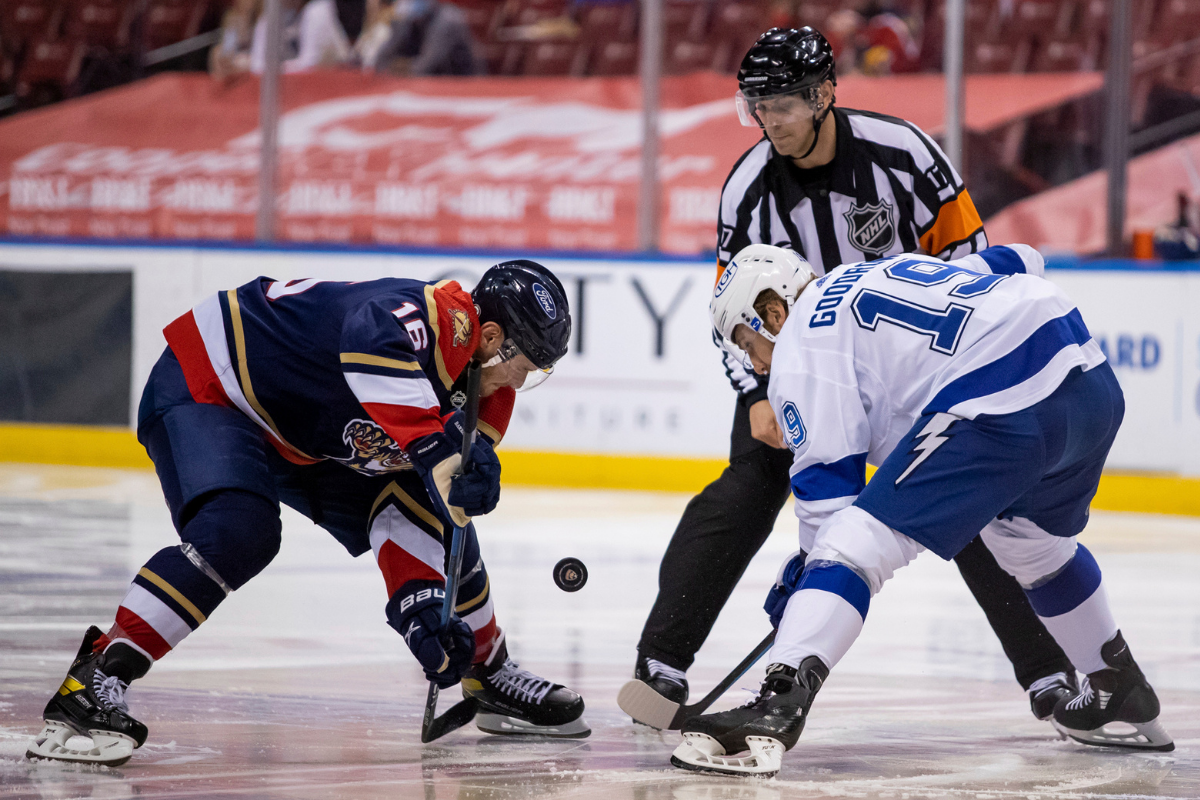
column 339, row 400
column 977, row 390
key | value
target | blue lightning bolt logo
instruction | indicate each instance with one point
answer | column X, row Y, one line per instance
column 933, row 440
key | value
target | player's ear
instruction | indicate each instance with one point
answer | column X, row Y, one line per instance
column 491, row 336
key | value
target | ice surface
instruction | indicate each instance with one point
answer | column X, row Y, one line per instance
column 296, row 688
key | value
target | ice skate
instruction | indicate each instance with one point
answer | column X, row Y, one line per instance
column 515, row 701
column 751, row 740
column 1044, row 693
column 1110, row 702
column 89, row 703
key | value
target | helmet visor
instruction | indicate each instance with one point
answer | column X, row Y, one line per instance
column 515, row 369
column 775, row 109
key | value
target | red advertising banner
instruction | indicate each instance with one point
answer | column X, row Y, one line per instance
column 481, row 163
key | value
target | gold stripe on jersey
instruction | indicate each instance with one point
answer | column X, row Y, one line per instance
column 239, row 344
column 379, row 361
column 957, row 220
column 423, row 514
column 437, row 334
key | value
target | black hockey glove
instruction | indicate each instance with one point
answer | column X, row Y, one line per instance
column 436, row 458
column 785, row 586
column 477, row 490
column 415, row 612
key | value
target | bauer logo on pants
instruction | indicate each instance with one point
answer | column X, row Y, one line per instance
column 793, row 425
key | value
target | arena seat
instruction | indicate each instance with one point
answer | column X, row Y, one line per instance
column 552, row 59
column 501, row 58
column 166, row 22
column 607, row 22
column 685, row 20
column 613, row 58
column 22, row 21
column 101, row 23
column 686, row 56
column 998, row 57
column 1177, row 21
column 1043, row 19
column 50, row 63
column 1061, row 56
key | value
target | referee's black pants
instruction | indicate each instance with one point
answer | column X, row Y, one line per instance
column 726, row 524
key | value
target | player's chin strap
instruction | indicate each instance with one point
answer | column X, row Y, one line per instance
column 817, row 121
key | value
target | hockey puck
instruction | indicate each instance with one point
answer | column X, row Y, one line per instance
column 570, row 574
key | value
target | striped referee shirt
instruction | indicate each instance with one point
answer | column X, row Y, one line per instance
column 889, row 189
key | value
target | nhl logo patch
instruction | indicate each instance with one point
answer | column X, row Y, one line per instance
column 458, row 399
column 872, row 227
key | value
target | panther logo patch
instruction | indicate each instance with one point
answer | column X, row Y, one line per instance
column 372, row 450
column 462, row 326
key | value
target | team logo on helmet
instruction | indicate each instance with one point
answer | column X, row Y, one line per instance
column 726, row 277
column 462, row 326
column 545, row 300
column 872, row 227
column 794, row 425
column 372, row 450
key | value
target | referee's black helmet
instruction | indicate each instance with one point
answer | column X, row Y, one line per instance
column 529, row 303
column 786, row 61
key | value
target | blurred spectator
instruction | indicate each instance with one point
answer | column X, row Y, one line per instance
column 377, row 30
column 889, row 46
column 428, row 38
column 231, row 56
column 312, row 37
column 1179, row 241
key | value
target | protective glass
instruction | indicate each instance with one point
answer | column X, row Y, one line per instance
column 775, row 109
column 518, row 370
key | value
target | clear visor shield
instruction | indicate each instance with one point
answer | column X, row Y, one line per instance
column 515, row 368
column 775, row 109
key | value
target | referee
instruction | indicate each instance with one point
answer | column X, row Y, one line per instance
column 837, row 186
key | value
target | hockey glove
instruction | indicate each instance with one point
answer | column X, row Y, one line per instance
column 415, row 612
column 477, row 490
column 785, row 586
column 436, row 458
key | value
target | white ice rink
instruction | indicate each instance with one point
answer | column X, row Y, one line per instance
column 296, row 688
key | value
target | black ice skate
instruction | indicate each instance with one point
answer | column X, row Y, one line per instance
column 89, row 703
column 766, row 727
column 515, row 701
column 666, row 681
column 1110, row 697
column 1044, row 693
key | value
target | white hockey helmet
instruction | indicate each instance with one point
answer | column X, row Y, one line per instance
column 753, row 269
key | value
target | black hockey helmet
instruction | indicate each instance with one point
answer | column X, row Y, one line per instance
column 529, row 303
column 786, row 60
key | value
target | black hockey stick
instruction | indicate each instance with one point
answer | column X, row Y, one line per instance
column 434, row 727
column 647, row 706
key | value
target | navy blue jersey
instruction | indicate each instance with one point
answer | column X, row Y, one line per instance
column 353, row 372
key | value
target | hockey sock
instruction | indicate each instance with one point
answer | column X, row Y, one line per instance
column 1074, row 608
column 167, row 600
column 126, row 662
column 823, row 617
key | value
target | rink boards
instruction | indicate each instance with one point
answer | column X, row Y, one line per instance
column 641, row 399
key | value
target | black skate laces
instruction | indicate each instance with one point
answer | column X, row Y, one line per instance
column 1087, row 695
column 520, row 683
column 110, row 691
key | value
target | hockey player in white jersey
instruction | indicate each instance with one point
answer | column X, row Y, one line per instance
column 977, row 390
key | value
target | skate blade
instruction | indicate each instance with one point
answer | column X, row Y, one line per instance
column 702, row 753
column 646, row 706
column 1145, row 736
column 502, row 725
column 108, row 749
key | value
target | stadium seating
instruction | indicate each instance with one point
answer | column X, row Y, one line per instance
column 166, row 22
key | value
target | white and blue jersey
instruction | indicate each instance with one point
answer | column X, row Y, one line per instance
column 871, row 348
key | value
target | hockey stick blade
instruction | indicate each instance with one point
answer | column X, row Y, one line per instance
column 649, row 707
column 458, row 715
